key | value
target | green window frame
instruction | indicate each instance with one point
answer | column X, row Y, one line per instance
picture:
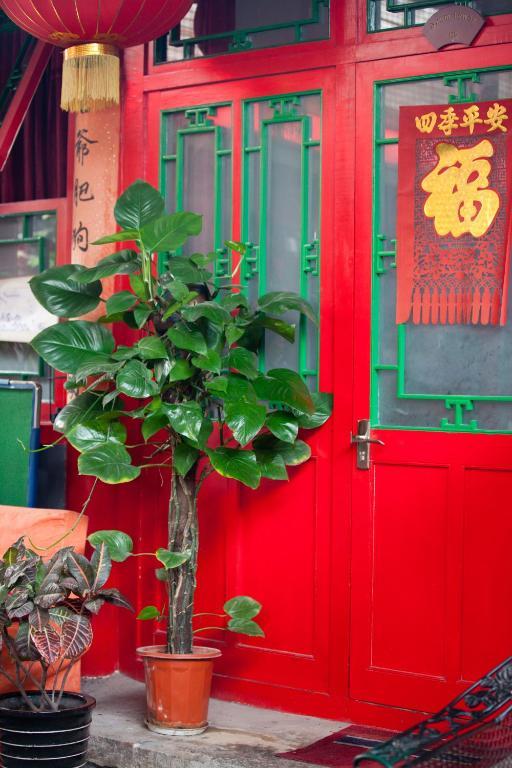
column 242, row 39
column 410, row 13
column 286, row 110
column 459, row 406
column 200, row 121
column 46, row 258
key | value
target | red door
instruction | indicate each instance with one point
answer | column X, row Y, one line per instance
column 431, row 587
column 254, row 156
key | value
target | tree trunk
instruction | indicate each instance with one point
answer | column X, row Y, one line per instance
column 183, row 537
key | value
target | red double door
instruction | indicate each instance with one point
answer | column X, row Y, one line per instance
column 385, row 589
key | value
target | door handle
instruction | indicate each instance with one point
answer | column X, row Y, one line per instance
column 363, row 440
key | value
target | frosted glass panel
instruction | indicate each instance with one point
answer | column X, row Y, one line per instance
column 432, row 376
column 281, row 216
column 282, row 246
column 199, row 190
column 196, row 175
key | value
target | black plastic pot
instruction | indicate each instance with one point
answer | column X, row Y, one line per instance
column 49, row 739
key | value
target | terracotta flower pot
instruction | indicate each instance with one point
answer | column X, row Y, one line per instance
column 178, row 689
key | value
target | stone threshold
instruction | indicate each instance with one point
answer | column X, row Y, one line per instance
column 239, row 736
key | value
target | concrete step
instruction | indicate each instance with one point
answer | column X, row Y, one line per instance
column 239, row 736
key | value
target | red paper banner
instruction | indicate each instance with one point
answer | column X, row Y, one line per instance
column 453, row 227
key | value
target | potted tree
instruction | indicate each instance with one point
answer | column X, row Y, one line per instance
column 190, row 382
column 45, row 629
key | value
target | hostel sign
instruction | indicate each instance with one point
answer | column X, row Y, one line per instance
column 453, row 228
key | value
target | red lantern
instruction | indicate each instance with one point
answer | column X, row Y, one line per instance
column 93, row 32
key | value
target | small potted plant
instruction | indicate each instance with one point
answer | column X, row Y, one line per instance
column 45, row 629
column 192, row 385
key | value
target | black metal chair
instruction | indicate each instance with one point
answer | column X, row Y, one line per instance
column 475, row 729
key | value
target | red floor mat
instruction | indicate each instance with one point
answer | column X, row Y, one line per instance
column 339, row 749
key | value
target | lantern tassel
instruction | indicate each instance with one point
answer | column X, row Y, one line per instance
column 90, row 78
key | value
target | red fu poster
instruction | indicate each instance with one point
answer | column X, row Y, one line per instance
column 453, row 227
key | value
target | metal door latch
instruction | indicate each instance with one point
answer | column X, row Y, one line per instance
column 362, row 440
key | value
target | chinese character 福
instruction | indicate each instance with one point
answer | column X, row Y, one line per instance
column 459, row 200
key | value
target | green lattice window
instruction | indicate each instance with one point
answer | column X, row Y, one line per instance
column 280, row 200
column 399, row 14
column 434, row 377
column 196, row 174
column 281, row 214
column 216, row 27
column 27, row 246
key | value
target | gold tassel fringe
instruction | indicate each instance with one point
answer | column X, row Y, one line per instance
column 90, row 78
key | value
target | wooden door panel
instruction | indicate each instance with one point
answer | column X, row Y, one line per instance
column 430, row 587
column 274, row 543
column 486, row 636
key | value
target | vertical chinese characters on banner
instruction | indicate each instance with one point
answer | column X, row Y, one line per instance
column 95, row 186
column 453, row 228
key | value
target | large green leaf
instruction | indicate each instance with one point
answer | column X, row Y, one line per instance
column 67, row 346
column 245, row 627
column 233, row 333
column 271, row 464
column 111, row 463
column 184, row 336
column 178, row 290
column 295, row 454
column 170, row 232
column 120, row 302
column 138, row 205
column 184, row 458
column 121, row 263
column 292, row 454
column 242, row 607
column 82, row 409
column 217, row 386
column 283, row 329
column 323, row 409
column 59, row 293
column 153, row 424
column 118, row 543
column 149, row 613
column 281, row 385
column 236, row 464
column 209, row 362
column 141, row 315
column 181, row 370
column 185, row 418
column 170, row 559
column 279, row 302
column 245, row 420
column 181, row 268
column 239, row 388
column 283, row 425
column 234, row 301
column 90, row 434
column 210, row 310
column 244, row 361
column 151, row 348
column 126, row 235
column 135, row 380
column 102, row 364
